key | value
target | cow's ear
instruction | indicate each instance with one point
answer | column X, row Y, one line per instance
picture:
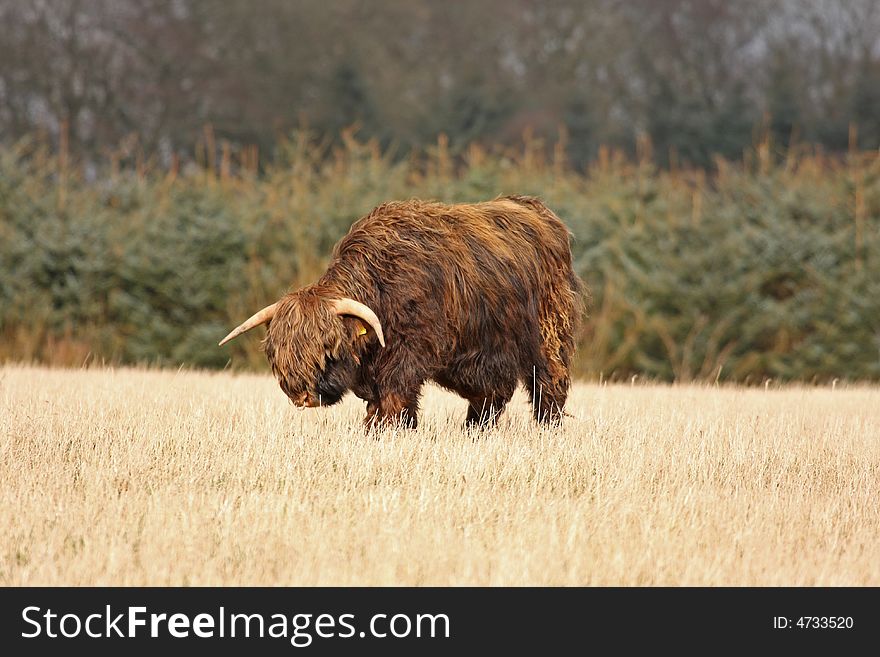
column 360, row 328
column 357, row 330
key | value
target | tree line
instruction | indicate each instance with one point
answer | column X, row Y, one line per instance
column 764, row 269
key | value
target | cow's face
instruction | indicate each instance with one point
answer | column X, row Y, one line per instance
column 313, row 351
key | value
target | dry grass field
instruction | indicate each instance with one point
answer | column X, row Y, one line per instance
column 134, row 477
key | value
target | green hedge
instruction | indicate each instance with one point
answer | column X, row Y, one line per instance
column 764, row 269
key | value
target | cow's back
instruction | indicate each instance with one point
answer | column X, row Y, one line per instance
column 480, row 273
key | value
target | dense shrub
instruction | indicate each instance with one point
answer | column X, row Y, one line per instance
column 770, row 268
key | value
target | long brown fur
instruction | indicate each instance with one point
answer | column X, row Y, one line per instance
column 476, row 297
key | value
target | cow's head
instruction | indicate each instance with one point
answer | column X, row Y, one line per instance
column 314, row 343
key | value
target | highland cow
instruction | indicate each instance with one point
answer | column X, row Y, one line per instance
column 476, row 297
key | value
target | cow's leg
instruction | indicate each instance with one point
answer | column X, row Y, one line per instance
column 399, row 376
column 394, row 409
column 547, row 378
column 547, row 392
column 483, row 411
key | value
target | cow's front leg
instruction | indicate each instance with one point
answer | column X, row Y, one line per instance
column 393, row 409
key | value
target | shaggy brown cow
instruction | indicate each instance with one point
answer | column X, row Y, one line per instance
column 474, row 296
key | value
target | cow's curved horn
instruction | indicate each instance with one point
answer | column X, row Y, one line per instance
column 346, row 306
column 261, row 317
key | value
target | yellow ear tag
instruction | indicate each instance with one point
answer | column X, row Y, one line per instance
column 362, row 331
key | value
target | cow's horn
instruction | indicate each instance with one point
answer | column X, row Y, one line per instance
column 346, row 306
column 256, row 319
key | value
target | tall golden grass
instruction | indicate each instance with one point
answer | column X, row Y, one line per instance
column 136, row 477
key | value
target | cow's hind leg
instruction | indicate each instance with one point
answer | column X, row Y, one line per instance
column 547, row 393
column 547, row 377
